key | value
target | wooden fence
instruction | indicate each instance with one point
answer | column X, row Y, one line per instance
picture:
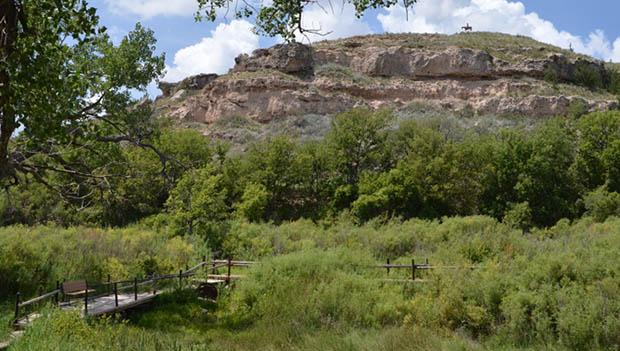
column 154, row 284
column 136, row 286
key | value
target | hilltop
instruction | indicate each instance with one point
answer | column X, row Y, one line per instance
column 473, row 78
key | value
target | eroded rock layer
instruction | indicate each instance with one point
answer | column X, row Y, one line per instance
column 518, row 76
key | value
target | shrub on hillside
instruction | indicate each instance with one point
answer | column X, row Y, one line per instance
column 601, row 204
column 588, row 76
column 577, row 108
column 614, row 82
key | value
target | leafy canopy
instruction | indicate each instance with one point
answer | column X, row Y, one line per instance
column 284, row 17
column 66, row 91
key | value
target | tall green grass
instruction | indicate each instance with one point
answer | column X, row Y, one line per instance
column 559, row 286
column 32, row 259
column 66, row 331
column 495, row 288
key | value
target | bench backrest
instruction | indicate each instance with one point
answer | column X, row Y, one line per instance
column 74, row 286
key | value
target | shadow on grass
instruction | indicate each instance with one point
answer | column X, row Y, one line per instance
column 180, row 311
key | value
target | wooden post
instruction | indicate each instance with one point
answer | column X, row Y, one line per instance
column 427, row 261
column 154, row 284
column 56, row 300
column 213, row 271
column 204, row 264
column 115, row 294
column 17, row 296
column 86, row 300
column 388, row 266
column 413, row 268
column 180, row 279
column 229, row 264
column 109, row 285
column 135, row 289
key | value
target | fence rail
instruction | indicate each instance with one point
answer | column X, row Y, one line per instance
column 136, row 286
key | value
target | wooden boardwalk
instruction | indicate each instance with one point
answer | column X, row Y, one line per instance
column 98, row 306
column 113, row 297
column 107, row 304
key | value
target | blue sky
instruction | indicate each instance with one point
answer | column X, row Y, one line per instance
column 591, row 27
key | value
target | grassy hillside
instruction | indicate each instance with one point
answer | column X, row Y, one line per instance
column 510, row 48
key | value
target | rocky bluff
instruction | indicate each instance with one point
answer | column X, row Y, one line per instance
column 485, row 73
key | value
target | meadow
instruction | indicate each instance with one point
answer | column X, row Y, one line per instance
column 495, row 287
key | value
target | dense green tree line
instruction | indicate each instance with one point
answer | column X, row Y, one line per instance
column 364, row 166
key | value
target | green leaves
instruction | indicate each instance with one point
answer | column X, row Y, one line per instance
column 283, row 17
column 599, row 132
column 358, row 141
column 197, row 201
column 70, row 89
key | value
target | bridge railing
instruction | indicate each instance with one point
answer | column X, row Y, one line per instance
column 31, row 304
column 136, row 286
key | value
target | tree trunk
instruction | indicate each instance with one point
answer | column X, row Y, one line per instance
column 8, row 36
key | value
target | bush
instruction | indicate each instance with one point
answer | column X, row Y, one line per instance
column 614, row 82
column 68, row 331
column 253, row 202
column 602, row 204
column 519, row 216
column 588, row 76
column 313, row 290
column 33, row 259
column 551, row 77
column 577, row 108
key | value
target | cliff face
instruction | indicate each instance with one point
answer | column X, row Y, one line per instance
column 483, row 73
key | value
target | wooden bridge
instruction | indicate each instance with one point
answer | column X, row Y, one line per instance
column 117, row 296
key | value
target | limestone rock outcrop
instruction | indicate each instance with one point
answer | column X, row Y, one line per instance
column 390, row 71
column 196, row 82
column 294, row 58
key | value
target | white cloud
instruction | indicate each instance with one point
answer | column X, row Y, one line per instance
column 216, row 53
column 151, row 8
column 616, row 53
column 447, row 16
column 332, row 22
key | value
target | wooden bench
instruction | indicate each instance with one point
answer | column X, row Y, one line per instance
column 75, row 288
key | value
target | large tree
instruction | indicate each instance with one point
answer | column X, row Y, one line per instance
column 285, row 17
column 66, row 92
